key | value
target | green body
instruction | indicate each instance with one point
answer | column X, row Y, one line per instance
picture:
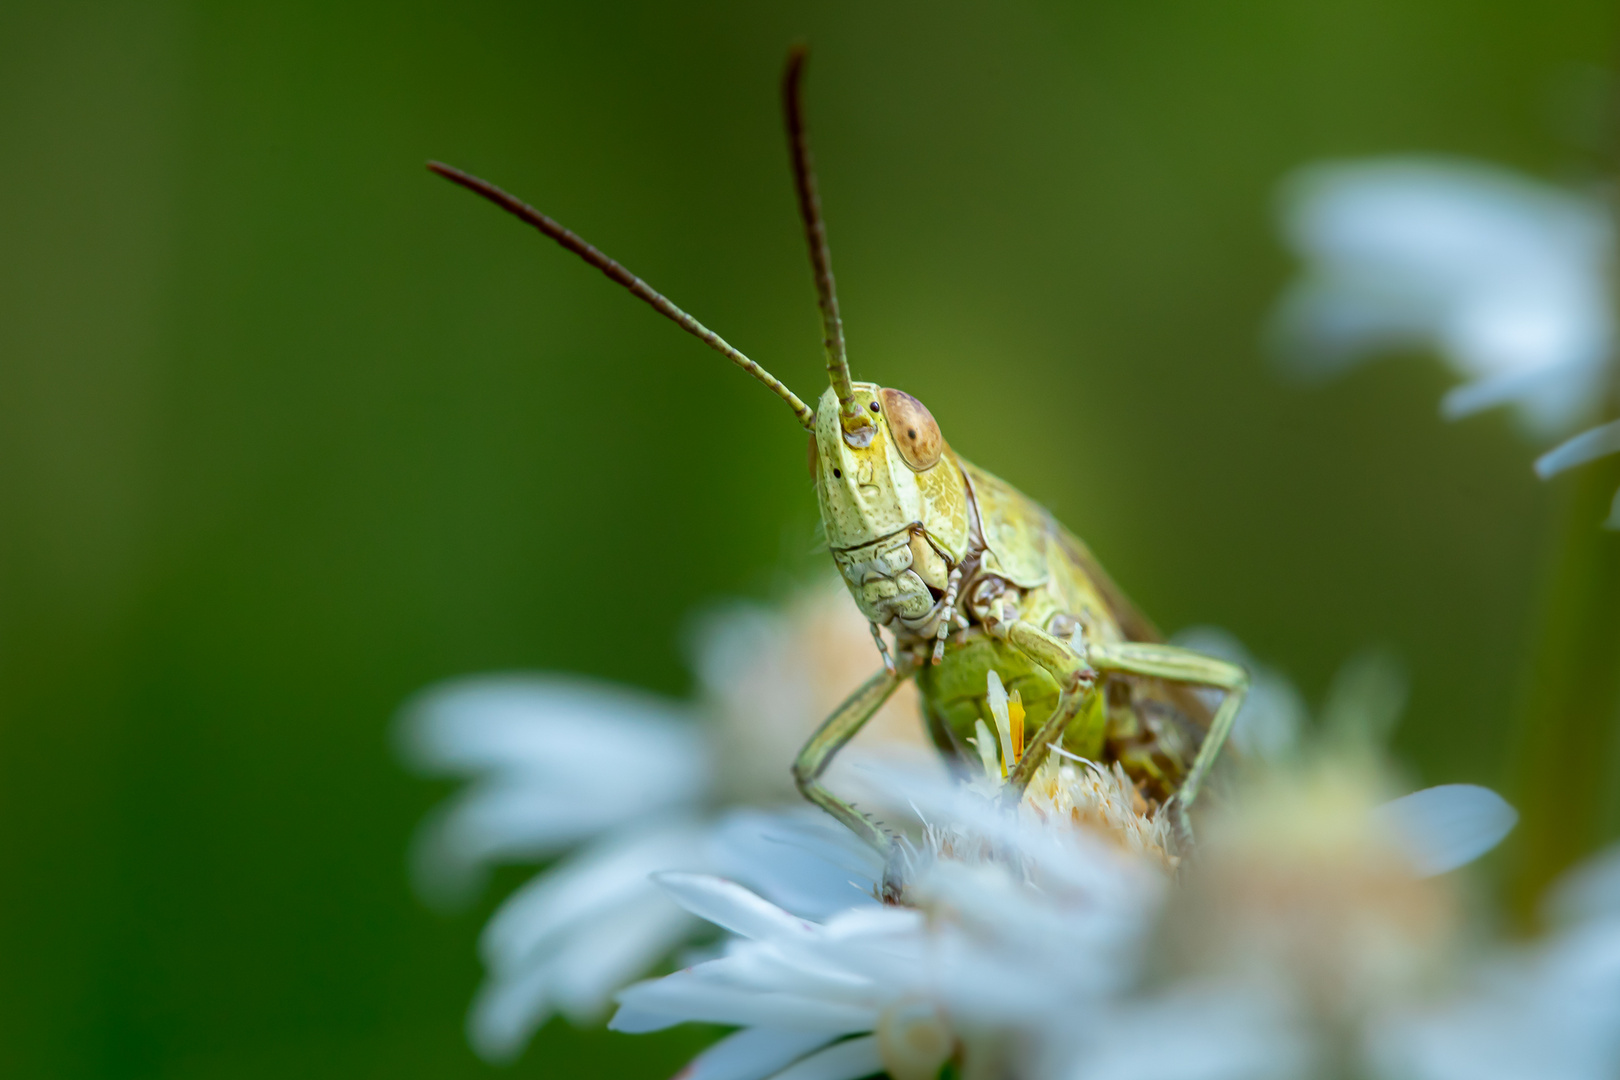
column 954, row 697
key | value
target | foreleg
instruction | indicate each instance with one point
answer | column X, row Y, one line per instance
column 1076, row 676
column 1076, row 680
column 830, row 738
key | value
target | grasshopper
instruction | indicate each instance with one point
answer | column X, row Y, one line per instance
column 969, row 575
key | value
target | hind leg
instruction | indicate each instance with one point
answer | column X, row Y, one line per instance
column 1175, row 664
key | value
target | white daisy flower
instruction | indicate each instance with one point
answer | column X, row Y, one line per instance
column 1546, row 1011
column 624, row 785
column 1007, row 924
column 1058, row 937
column 1511, row 280
column 552, row 761
column 1029, row 944
column 1508, row 278
column 1312, row 912
column 792, row 985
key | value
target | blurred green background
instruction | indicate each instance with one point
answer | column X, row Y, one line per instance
column 289, row 428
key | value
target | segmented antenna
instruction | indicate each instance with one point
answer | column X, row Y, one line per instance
column 568, row 239
column 815, row 231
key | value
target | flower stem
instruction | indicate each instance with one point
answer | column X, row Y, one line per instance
column 1565, row 747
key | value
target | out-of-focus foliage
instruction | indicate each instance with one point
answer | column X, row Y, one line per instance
column 289, row 428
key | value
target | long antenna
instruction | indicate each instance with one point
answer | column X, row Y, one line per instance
column 815, row 231
column 573, row 242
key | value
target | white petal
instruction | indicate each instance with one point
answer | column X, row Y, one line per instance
column 799, row 860
column 1584, row 962
column 1447, row 224
column 1590, row 891
column 752, row 1054
column 1442, row 828
column 614, row 871
column 812, row 968
column 1366, row 698
column 1505, row 277
column 730, row 906
column 1062, row 859
column 986, row 747
column 1323, row 327
column 578, row 980
column 681, row 998
column 541, row 747
column 996, row 698
column 506, row 1014
column 494, row 822
column 1498, row 388
column 544, row 722
column 848, row 1060
column 635, row 1021
column 602, row 959
column 1547, row 1013
column 1587, row 446
column 1218, row 1033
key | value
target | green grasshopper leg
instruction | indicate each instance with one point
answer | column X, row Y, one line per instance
column 1076, row 680
column 1176, row 664
column 830, row 738
column 1184, row 666
column 1129, row 658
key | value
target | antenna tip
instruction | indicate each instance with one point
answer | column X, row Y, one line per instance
column 793, row 71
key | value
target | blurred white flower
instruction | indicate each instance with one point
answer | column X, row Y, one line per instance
column 1303, row 926
column 626, row 784
column 1546, row 1011
column 1511, row 280
column 1508, row 278
column 767, row 678
column 552, row 761
column 1007, row 922
column 1312, row 933
column 1027, row 944
column 1589, row 445
column 792, row 985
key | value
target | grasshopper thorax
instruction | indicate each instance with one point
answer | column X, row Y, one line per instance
column 893, row 502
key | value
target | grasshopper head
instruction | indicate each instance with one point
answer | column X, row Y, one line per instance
column 893, row 501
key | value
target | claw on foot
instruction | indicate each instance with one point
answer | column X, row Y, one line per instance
column 895, row 873
column 1083, row 681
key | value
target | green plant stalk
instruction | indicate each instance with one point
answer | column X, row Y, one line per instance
column 1569, row 724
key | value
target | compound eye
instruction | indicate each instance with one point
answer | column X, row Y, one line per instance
column 913, row 428
column 813, row 455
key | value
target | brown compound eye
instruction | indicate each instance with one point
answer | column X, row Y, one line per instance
column 913, row 428
column 813, row 455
